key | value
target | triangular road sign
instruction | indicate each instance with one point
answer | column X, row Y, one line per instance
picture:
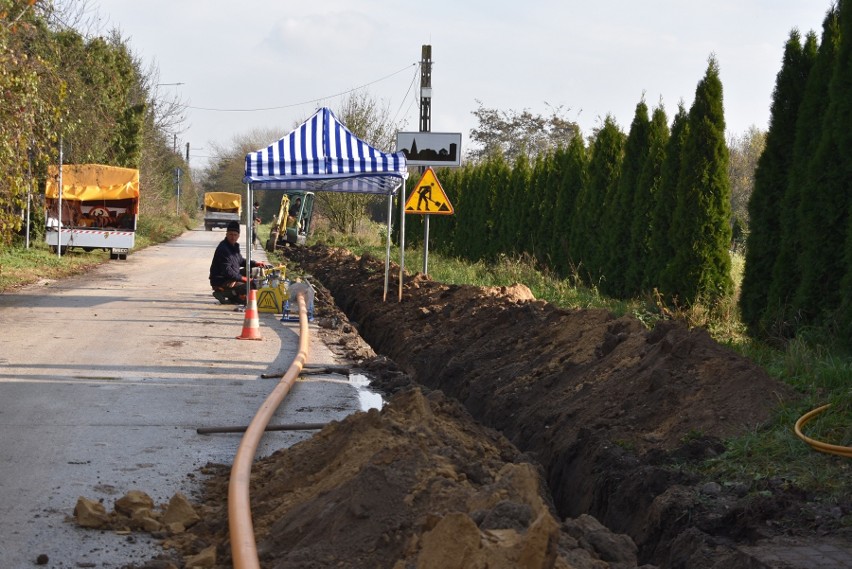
column 428, row 197
column 267, row 301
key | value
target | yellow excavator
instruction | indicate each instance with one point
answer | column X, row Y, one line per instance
column 293, row 223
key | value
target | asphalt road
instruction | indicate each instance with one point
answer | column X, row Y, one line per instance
column 104, row 380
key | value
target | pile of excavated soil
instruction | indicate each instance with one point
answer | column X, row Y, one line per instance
column 511, row 428
column 419, row 484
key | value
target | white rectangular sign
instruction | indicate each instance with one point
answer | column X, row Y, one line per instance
column 430, row 148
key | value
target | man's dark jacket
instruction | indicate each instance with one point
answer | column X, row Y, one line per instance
column 227, row 261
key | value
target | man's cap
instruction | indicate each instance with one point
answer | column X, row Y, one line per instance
column 234, row 226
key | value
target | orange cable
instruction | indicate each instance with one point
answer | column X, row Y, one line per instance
column 815, row 444
column 243, row 545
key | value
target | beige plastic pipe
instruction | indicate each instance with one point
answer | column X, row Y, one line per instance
column 243, row 545
column 815, row 444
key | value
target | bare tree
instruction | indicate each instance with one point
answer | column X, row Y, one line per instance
column 226, row 168
column 744, row 151
column 514, row 133
column 69, row 14
column 371, row 121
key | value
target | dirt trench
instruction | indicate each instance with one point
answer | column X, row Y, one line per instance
column 611, row 411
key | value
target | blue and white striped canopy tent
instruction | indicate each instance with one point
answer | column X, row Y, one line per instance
column 322, row 155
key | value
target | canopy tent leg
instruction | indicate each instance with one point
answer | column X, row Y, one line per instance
column 401, row 238
column 388, row 248
column 249, row 239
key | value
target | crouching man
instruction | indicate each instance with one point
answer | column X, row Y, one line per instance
column 227, row 271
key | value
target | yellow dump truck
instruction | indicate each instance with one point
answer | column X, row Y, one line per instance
column 97, row 208
column 221, row 208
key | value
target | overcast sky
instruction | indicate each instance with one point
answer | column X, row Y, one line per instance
column 589, row 58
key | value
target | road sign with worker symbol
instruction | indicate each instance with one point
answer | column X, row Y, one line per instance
column 428, row 197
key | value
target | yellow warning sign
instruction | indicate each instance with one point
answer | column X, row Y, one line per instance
column 270, row 300
column 428, row 197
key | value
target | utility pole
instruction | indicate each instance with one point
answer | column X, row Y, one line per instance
column 426, row 89
column 187, row 154
column 178, row 173
column 59, row 226
column 425, row 126
column 29, row 187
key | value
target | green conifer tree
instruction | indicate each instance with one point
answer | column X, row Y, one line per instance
column 442, row 227
column 845, row 312
column 463, row 205
column 780, row 316
column 571, row 172
column 661, row 242
column 548, row 229
column 511, row 210
column 619, row 211
column 475, row 201
column 496, row 198
column 701, row 268
column 771, row 181
column 824, row 239
column 545, row 222
column 645, row 202
column 531, row 212
column 604, row 171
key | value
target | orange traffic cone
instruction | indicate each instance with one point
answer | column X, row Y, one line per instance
column 251, row 325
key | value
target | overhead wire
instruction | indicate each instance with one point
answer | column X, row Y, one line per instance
column 414, row 101
column 303, row 102
column 410, row 85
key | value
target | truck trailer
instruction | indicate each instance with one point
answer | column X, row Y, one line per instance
column 221, row 208
column 97, row 208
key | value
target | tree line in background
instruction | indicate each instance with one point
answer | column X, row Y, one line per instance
column 88, row 93
column 627, row 213
column 798, row 270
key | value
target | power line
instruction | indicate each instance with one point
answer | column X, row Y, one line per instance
column 304, row 102
column 402, row 102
